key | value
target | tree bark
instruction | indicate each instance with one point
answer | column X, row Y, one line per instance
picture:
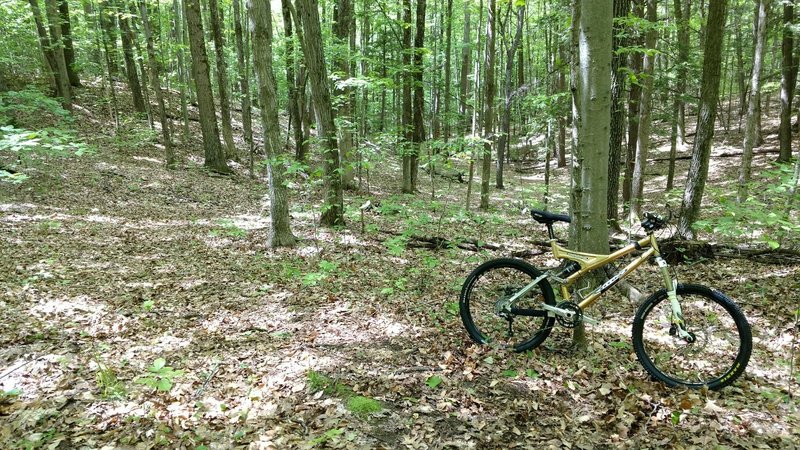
column 155, row 81
column 333, row 207
column 342, row 21
column 621, row 10
column 216, row 20
column 244, row 84
column 645, row 108
column 418, row 136
column 755, row 87
column 682, row 15
column 280, row 234
column 57, row 42
column 707, row 115
column 505, row 134
column 183, row 77
column 130, row 59
column 47, row 48
column 214, row 155
column 591, row 111
column 634, row 102
column 108, row 22
column 463, row 79
column 788, row 80
column 488, row 116
column 448, row 49
column 69, row 50
column 407, row 112
column 291, row 83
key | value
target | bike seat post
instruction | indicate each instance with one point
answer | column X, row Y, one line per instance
column 550, row 230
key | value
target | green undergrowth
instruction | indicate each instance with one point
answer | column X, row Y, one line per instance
column 357, row 404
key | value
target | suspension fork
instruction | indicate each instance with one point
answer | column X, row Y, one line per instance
column 672, row 286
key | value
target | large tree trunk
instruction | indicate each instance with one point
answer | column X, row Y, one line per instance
column 291, row 83
column 155, row 81
column 788, row 79
column 69, row 50
column 463, row 78
column 216, row 20
column 214, row 155
column 755, row 86
column 707, row 115
column 591, row 111
column 54, row 19
column 261, row 26
column 418, row 136
column 407, row 113
column 621, row 9
column 488, row 116
column 505, row 133
column 130, row 59
column 244, row 84
column 333, row 207
column 342, row 21
column 645, row 110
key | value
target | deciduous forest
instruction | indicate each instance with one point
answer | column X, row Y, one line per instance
column 352, row 224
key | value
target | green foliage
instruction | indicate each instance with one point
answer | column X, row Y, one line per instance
column 160, row 376
column 321, row 382
column 329, row 435
column 434, row 381
column 363, row 406
column 108, row 384
column 326, row 269
column 228, row 228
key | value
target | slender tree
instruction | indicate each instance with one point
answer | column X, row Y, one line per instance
column 488, row 116
column 54, row 20
column 645, row 114
column 448, row 50
column 47, row 49
column 244, row 83
column 216, row 20
column 130, row 59
column 407, row 128
column 788, row 80
column 503, row 142
column 69, row 50
column 333, row 207
column 214, row 155
column 292, row 85
column 418, row 136
column 342, row 21
column 634, row 102
column 621, row 10
column 707, row 115
column 261, row 26
column 155, row 81
column 755, row 86
column 178, row 34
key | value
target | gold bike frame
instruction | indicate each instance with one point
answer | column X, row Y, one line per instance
column 590, row 261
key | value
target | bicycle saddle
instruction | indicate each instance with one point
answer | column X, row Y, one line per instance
column 548, row 217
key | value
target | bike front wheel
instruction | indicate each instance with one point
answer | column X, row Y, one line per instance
column 481, row 305
column 712, row 350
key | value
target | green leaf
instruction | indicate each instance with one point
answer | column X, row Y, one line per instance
column 158, row 364
column 164, row 385
column 510, row 373
column 773, row 245
column 676, row 417
column 434, row 381
column 147, row 305
column 532, row 373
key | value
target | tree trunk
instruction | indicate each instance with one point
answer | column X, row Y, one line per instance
column 333, row 207
column 291, row 83
column 183, row 78
column 155, row 81
column 621, row 9
column 107, row 54
column 130, row 59
column 108, row 22
column 488, row 116
column 69, row 51
column 707, row 115
column 448, row 48
column 244, row 84
column 216, row 20
column 418, row 136
column 407, row 116
column 788, row 75
column 463, row 79
column 591, row 111
column 342, row 21
column 214, row 155
column 54, row 20
column 645, row 109
column 682, row 15
column 280, row 234
column 505, row 133
column 47, row 48
column 755, row 86
column 634, row 102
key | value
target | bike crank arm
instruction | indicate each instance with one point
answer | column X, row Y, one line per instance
column 567, row 314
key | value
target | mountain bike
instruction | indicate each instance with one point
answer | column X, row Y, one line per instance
column 684, row 334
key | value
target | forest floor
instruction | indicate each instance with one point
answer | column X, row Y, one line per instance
column 114, row 270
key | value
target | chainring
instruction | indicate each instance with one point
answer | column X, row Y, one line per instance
column 570, row 322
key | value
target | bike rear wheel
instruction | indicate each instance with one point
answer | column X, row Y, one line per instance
column 494, row 282
column 714, row 354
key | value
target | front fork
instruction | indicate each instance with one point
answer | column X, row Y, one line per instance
column 677, row 315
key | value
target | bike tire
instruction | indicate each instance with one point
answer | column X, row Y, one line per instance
column 676, row 361
column 483, row 288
